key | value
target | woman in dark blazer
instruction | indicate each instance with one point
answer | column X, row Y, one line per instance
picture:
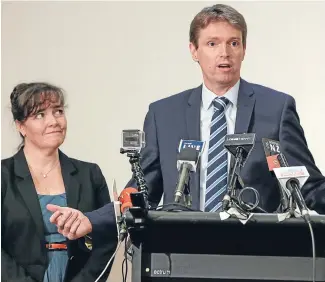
column 38, row 174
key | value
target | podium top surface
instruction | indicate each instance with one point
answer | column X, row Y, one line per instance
column 201, row 245
column 205, row 232
column 206, row 218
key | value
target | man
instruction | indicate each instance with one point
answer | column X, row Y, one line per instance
column 223, row 104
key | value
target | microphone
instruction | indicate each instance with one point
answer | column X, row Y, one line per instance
column 294, row 187
column 272, row 150
column 187, row 159
column 293, row 178
column 187, row 162
column 274, row 160
column 282, row 160
column 240, row 146
column 126, row 203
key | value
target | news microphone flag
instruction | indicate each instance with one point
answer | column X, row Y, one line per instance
column 197, row 145
column 283, row 174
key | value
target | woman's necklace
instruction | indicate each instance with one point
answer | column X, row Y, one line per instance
column 46, row 174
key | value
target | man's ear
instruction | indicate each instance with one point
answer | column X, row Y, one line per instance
column 193, row 51
column 244, row 53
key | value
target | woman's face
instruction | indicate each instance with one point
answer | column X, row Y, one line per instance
column 46, row 127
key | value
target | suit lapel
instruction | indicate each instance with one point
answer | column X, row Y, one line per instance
column 72, row 186
column 193, row 114
column 28, row 192
column 245, row 107
column 193, row 131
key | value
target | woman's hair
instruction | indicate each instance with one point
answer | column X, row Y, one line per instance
column 27, row 98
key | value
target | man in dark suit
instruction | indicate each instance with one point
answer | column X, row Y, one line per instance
column 260, row 110
column 218, row 43
column 224, row 104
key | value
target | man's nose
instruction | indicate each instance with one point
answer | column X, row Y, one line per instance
column 224, row 50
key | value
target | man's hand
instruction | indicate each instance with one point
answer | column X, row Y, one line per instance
column 71, row 223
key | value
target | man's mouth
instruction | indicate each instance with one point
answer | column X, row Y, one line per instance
column 224, row 66
column 53, row 132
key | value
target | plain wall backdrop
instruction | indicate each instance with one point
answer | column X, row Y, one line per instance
column 114, row 58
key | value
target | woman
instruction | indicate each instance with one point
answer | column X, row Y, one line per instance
column 39, row 174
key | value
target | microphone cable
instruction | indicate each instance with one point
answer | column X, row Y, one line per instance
column 307, row 219
column 110, row 260
column 245, row 208
column 313, row 247
column 125, row 263
column 248, row 206
column 122, row 237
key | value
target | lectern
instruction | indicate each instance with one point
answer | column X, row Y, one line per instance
column 198, row 246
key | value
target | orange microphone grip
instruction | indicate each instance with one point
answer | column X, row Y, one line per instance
column 125, row 206
column 125, row 198
column 273, row 162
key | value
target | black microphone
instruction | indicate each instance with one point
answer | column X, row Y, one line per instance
column 187, row 160
column 287, row 177
column 293, row 186
column 272, row 151
column 240, row 146
column 282, row 160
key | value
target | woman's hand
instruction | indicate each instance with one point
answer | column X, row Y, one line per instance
column 71, row 223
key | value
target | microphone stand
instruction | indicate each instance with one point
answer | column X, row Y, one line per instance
column 234, row 175
column 227, row 201
column 139, row 200
column 284, row 201
column 297, row 198
column 187, row 196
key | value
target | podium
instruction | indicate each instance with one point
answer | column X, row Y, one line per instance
column 198, row 246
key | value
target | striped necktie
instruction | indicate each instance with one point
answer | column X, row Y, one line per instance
column 217, row 170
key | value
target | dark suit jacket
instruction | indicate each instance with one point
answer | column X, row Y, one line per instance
column 23, row 253
column 261, row 110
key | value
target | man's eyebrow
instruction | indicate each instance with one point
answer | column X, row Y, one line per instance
column 218, row 38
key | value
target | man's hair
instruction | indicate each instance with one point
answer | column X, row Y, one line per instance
column 215, row 13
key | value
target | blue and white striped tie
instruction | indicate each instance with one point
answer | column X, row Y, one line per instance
column 217, row 170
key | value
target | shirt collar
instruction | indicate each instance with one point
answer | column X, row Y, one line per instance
column 208, row 96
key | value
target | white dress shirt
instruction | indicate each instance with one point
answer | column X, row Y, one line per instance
column 207, row 111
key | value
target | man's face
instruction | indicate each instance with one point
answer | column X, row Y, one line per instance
column 220, row 53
